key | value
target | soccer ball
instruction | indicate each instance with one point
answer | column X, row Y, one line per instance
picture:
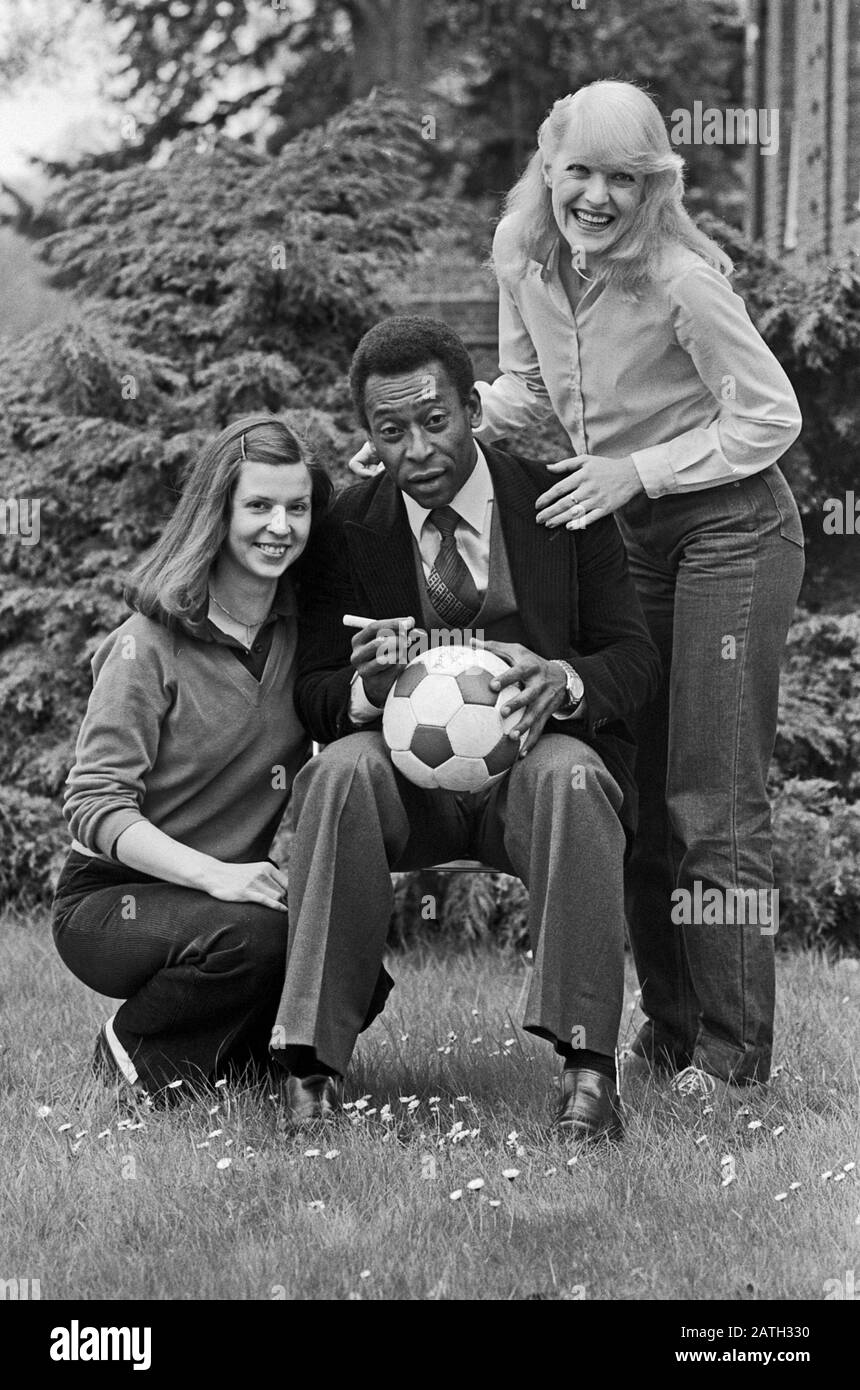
column 442, row 724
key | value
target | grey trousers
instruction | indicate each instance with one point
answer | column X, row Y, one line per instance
column 553, row 822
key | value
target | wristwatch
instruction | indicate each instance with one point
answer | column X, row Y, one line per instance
column 575, row 688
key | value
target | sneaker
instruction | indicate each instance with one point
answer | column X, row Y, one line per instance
column 112, row 1065
column 692, row 1081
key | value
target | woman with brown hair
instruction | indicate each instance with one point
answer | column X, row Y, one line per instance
column 183, row 767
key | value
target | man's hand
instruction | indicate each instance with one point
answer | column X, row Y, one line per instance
column 543, row 693
column 380, row 653
column 595, row 487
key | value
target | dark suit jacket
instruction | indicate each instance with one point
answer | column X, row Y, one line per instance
column 575, row 596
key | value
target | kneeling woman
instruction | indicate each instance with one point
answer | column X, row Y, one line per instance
column 184, row 764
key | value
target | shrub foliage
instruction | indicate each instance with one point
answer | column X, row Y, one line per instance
column 223, row 282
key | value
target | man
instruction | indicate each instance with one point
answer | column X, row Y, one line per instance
column 446, row 539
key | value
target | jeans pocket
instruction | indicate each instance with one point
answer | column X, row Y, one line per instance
column 790, row 525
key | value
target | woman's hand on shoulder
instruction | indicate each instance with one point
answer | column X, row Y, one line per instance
column 261, row 883
column 595, row 486
column 366, row 463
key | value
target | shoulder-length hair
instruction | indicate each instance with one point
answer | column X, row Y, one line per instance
column 170, row 583
column 618, row 126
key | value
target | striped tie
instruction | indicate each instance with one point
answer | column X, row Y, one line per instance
column 450, row 585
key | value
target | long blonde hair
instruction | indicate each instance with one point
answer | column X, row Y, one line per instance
column 617, row 126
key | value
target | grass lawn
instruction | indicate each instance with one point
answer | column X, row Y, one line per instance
column 214, row 1200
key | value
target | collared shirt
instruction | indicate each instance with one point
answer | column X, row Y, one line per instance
column 474, row 506
column 679, row 378
column 253, row 658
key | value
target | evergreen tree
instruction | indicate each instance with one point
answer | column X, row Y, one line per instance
column 225, row 281
column 486, row 71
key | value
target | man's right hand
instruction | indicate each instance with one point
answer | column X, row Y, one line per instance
column 247, row 883
column 379, row 654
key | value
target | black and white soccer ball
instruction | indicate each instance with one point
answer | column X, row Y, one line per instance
column 442, row 724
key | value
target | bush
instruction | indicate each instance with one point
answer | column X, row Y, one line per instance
column 812, row 325
column 817, row 866
column 464, row 907
column 34, row 842
column 819, row 708
column 223, row 282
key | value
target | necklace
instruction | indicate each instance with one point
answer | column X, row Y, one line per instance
column 248, row 626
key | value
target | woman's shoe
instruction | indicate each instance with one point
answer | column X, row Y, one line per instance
column 112, row 1064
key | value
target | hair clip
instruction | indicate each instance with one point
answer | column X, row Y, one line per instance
column 242, row 447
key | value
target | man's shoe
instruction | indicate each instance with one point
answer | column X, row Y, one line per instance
column 311, row 1099
column 653, row 1050
column 112, row 1065
column 590, row 1109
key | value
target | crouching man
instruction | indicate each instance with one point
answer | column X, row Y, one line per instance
column 446, row 538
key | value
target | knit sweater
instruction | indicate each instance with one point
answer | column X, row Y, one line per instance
column 179, row 733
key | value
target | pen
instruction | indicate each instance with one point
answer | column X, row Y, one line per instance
column 352, row 620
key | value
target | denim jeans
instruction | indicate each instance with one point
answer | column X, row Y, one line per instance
column 718, row 573
column 201, row 979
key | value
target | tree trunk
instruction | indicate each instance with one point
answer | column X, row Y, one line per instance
column 388, row 38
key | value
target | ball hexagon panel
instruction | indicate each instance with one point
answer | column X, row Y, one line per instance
column 474, row 731
column 432, row 746
column 398, row 722
column 510, row 720
column 435, row 699
column 463, row 775
column 414, row 770
column 448, row 659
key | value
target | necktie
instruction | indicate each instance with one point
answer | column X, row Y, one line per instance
column 450, row 585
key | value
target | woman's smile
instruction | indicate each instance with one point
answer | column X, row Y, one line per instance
column 274, row 550
column 592, row 221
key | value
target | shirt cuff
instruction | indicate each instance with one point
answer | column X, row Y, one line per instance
column 361, row 709
column 109, row 830
column 655, row 474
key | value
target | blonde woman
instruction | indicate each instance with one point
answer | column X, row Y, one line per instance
column 183, row 767
column 617, row 316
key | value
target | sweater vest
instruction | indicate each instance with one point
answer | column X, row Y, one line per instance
column 498, row 618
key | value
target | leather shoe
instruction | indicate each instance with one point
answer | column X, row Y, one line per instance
column 590, row 1109
column 313, row 1098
